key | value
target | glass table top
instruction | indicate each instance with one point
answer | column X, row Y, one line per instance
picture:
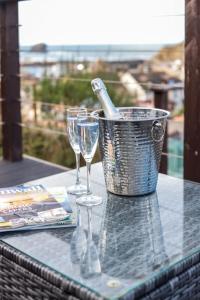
column 136, row 238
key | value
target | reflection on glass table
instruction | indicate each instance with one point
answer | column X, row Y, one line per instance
column 142, row 242
column 143, row 250
column 90, row 264
column 83, row 250
column 78, row 241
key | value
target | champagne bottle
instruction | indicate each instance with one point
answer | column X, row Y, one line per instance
column 99, row 88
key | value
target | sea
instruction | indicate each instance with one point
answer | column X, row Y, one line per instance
column 80, row 53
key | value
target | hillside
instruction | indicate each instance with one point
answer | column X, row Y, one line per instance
column 170, row 53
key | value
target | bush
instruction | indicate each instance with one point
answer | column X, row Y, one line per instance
column 50, row 147
column 75, row 93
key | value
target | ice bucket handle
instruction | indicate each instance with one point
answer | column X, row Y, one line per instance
column 157, row 132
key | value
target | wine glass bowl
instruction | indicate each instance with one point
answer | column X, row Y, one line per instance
column 88, row 134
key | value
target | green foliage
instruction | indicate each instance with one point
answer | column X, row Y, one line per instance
column 178, row 112
column 55, row 148
column 74, row 92
column 50, row 147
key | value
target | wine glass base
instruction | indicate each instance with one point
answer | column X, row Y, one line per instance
column 77, row 189
column 89, row 200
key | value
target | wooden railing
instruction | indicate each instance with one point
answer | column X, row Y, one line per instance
column 10, row 86
column 10, row 81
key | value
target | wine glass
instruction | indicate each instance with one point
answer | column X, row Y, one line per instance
column 90, row 265
column 78, row 242
column 88, row 132
column 72, row 131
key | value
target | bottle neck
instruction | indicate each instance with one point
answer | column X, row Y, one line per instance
column 110, row 110
column 99, row 89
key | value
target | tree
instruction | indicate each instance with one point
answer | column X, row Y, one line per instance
column 75, row 92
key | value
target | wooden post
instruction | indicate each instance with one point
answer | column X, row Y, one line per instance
column 192, row 91
column 10, row 81
column 161, row 101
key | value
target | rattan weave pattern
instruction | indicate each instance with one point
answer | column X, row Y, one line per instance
column 18, row 283
column 185, row 286
column 182, row 282
column 21, row 278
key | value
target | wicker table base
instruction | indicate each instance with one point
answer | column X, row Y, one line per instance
column 149, row 248
column 21, row 278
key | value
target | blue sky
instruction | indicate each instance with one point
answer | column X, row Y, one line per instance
column 101, row 21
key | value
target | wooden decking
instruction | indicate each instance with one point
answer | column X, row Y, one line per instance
column 30, row 168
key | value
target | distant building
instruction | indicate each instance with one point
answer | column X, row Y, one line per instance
column 133, row 87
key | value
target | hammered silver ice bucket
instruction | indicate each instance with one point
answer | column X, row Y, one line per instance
column 131, row 149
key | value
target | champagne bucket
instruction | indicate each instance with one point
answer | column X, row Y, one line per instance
column 131, row 149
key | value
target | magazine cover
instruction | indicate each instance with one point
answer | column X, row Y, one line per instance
column 34, row 207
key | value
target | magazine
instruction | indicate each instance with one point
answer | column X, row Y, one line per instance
column 34, row 207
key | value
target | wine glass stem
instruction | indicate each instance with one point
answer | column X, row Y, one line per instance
column 89, row 211
column 77, row 168
column 78, row 217
column 88, row 165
